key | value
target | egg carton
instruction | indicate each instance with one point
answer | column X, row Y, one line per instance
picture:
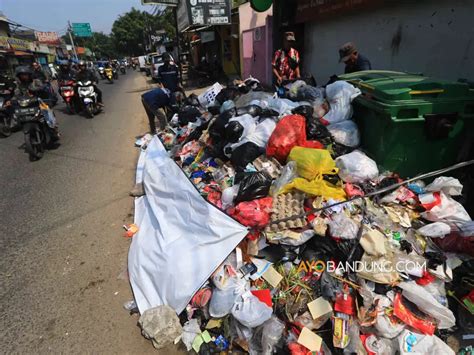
column 287, row 205
column 270, row 165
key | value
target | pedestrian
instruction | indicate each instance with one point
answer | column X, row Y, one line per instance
column 286, row 60
column 354, row 61
column 153, row 101
column 168, row 73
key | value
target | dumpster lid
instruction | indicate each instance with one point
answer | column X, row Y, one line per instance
column 394, row 86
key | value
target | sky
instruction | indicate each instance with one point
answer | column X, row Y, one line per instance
column 52, row 15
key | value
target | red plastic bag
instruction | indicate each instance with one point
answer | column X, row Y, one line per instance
column 254, row 213
column 288, row 133
column 423, row 325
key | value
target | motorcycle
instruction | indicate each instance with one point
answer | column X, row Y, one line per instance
column 66, row 90
column 134, row 66
column 109, row 75
column 30, row 113
column 122, row 69
column 88, row 98
column 7, row 121
column 115, row 71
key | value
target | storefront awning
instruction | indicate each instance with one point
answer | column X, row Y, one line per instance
column 21, row 53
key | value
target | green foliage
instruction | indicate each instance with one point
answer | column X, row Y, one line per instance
column 131, row 32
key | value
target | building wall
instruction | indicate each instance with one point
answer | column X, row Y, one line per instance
column 435, row 38
column 4, row 28
column 250, row 19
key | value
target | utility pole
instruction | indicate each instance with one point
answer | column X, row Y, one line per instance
column 175, row 15
column 72, row 41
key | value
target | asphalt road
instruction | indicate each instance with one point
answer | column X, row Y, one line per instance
column 63, row 256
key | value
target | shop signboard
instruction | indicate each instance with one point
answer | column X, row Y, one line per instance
column 209, row 12
column 47, row 37
column 19, row 44
column 311, row 10
column 4, row 42
column 161, row 2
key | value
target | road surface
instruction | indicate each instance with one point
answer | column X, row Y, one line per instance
column 63, row 256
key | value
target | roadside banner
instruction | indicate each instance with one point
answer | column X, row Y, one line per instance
column 182, row 238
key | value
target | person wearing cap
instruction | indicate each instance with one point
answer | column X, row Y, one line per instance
column 354, row 61
column 286, row 61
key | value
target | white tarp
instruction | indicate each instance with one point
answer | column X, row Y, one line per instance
column 182, row 238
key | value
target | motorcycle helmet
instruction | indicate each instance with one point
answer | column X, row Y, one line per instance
column 23, row 71
column 64, row 65
column 81, row 64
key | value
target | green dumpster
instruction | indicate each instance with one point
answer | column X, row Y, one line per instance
column 412, row 124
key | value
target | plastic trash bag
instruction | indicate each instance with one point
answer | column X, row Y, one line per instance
column 282, row 106
column 343, row 227
column 340, row 95
column 253, row 186
column 449, row 185
column 288, row 173
column 190, row 330
column 262, row 133
column 260, row 98
column 435, row 230
column 188, row 114
column 254, row 213
column 228, row 196
column 428, row 304
column 313, row 163
column 250, row 311
column 245, row 154
column 356, row 167
column 266, row 337
column 346, row 133
column 223, row 300
column 310, row 93
column 316, row 188
column 233, row 131
column 448, row 211
column 247, row 122
column 288, row 133
column 293, row 88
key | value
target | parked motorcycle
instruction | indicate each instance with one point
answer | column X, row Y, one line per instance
column 109, row 74
column 88, row 98
column 66, row 90
column 29, row 111
column 7, row 121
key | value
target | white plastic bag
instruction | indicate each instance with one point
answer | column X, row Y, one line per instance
column 282, row 106
column 448, row 211
column 343, row 227
column 223, row 300
column 428, row 304
column 228, row 196
column 345, row 132
column 411, row 343
column 435, row 230
column 450, row 186
column 250, row 311
column 340, row 95
column 260, row 135
column 288, row 173
column 356, row 167
column 190, row 330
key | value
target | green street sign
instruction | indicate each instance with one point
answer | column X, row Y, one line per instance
column 82, row 29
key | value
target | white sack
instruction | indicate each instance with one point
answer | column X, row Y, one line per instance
column 356, row 167
column 345, row 132
column 182, row 238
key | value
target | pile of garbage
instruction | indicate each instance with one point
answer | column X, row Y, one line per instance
column 328, row 252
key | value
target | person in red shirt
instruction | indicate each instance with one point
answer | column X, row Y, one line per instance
column 286, row 60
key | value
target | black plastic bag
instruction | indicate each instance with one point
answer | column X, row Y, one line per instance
column 304, row 110
column 253, row 186
column 188, row 114
column 244, row 154
column 217, row 129
column 252, row 110
column 234, row 131
column 228, row 93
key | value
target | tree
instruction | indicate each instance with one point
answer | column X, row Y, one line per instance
column 132, row 31
column 101, row 44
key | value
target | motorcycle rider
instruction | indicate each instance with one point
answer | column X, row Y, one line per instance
column 83, row 74
column 27, row 85
column 38, row 72
column 66, row 73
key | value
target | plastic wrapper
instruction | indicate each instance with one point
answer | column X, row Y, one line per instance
column 313, row 163
column 250, row 311
column 346, row 133
column 253, row 186
column 289, row 172
column 254, row 213
column 343, row 227
column 306, row 320
column 356, row 167
column 340, row 95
